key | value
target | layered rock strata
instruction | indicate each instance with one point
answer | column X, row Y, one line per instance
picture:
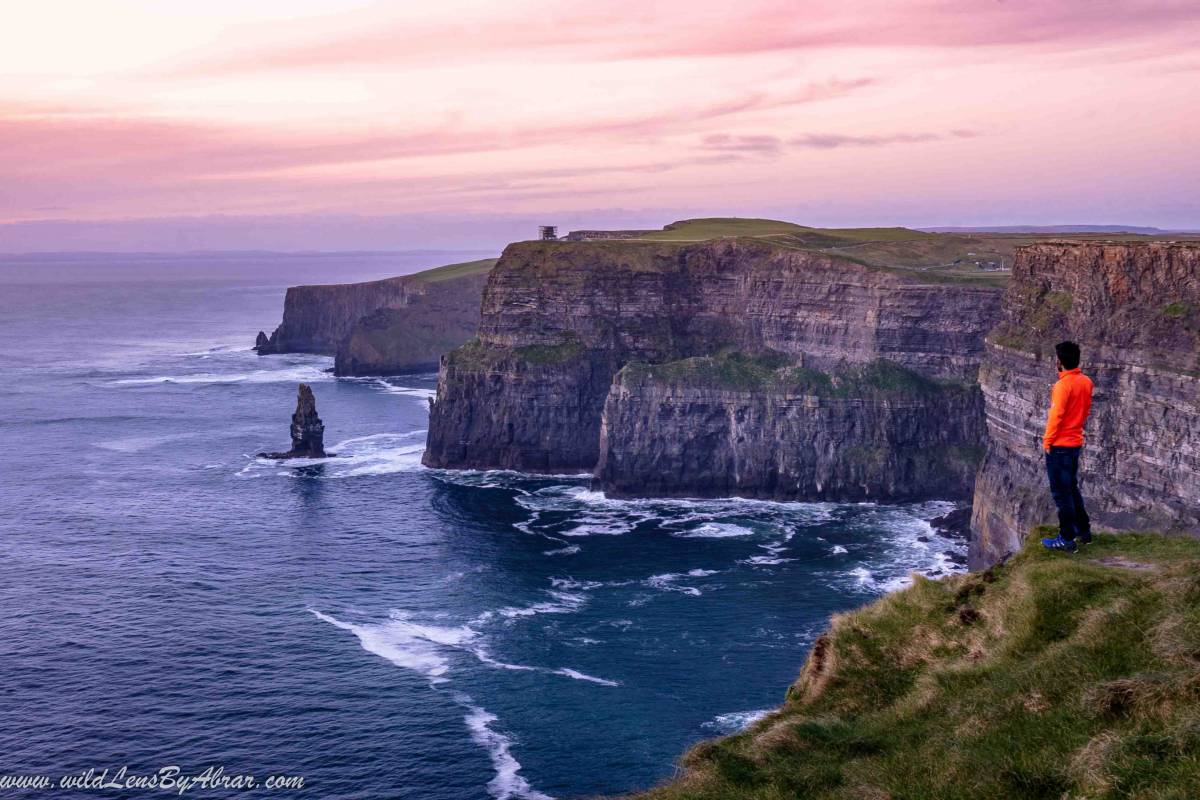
column 561, row 320
column 729, row 426
column 1135, row 311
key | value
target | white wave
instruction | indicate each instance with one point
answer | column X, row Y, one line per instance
column 582, row 676
column 571, row 583
column 508, row 784
column 564, row 603
column 569, row 550
column 601, row 529
column 863, row 577
column 838, row 550
column 736, row 721
column 422, row 392
column 577, row 511
column 377, row 454
column 667, row 582
column 299, row 373
column 421, row 648
column 715, row 530
column 895, row 584
column 219, row 349
column 406, row 644
column 764, row 561
column 903, row 543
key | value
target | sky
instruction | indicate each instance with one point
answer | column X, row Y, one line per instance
column 346, row 124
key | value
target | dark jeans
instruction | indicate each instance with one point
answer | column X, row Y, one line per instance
column 1062, row 468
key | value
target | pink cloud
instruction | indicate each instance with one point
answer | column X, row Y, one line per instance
column 629, row 29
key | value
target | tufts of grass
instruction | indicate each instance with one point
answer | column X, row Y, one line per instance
column 1049, row 676
column 773, row 371
column 475, row 356
column 452, row 271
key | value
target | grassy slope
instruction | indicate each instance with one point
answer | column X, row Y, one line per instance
column 452, row 271
column 1052, row 676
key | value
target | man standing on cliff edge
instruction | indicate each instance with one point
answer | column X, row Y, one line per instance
column 1070, row 402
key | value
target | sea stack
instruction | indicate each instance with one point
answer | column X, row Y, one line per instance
column 262, row 343
column 308, row 432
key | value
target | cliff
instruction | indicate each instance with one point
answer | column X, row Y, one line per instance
column 1135, row 311
column 394, row 325
column 764, row 428
column 1046, row 677
column 561, row 320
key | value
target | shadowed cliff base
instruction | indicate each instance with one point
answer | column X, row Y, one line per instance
column 1049, row 676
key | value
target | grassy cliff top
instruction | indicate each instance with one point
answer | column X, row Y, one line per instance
column 1051, row 676
column 978, row 258
column 920, row 256
column 717, row 227
column 452, row 271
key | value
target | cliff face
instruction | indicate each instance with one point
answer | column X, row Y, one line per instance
column 929, row 691
column 709, row 427
column 560, row 320
column 317, row 318
column 1135, row 311
column 383, row 327
column 392, row 341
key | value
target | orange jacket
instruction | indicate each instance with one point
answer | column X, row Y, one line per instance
column 1070, row 402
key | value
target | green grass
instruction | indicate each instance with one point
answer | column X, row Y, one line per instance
column 1176, row 310
column 772, row 371
column 477, row 356
column 1051, row 676
column 569, row 350
column 452, row 271
column 692, row 230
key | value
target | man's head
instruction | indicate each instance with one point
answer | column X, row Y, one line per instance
column 1068, row 354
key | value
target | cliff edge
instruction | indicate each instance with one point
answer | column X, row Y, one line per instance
column 1045, row 677
column 1134, row 308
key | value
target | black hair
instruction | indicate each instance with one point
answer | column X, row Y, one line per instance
column 1068, row 354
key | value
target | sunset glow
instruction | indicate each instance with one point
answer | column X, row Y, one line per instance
column 844, row 113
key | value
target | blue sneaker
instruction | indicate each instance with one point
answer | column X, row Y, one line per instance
column 1059, row 543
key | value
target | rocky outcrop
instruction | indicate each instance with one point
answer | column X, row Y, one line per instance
column 308, row 432
column 384, row 327
column 560, row 320
column 1135, row 310
column 728, row 426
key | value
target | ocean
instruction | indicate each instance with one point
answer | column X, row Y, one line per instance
column 379, row 629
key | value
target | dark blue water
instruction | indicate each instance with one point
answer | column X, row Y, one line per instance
column 379, row 629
